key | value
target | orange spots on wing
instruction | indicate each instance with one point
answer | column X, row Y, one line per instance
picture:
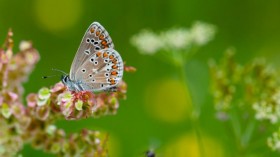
column 114, row 61
column 114, row 66
column 101, row 37
column 105, row 54
column 114, row 73
column 111, row 57
column 91, row 30
column 104, row 42
column 112, row 81
column 106, row 46
column 98, row 54
column 97, row 33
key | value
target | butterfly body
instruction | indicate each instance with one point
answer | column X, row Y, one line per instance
column 97, row 66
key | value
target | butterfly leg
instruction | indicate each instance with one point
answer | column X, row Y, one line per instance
column 112, row 89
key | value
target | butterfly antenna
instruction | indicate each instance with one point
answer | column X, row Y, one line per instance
column 45, row 77
column 59, row 71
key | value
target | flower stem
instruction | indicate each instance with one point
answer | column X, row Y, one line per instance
column 195, row 109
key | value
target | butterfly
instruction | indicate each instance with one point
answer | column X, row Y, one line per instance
column 97, row 66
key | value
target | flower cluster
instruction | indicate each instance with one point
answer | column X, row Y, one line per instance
column 254, row 85
column 74, row 105
column 176, row 39
column 246, row 93
column 177, row 46
column 34, row 123
column 274, row 141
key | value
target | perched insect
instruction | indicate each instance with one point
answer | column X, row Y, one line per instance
column 150, row 153
column 97, row 66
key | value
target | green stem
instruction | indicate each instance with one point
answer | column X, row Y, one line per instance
column 195, row 108
column 248, row 133
column 243, row 137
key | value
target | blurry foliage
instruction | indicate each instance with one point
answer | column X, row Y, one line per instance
column 246, row 99
column 55, row 27
column 177, row 46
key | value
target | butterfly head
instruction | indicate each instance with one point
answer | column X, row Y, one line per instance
column 65, row 79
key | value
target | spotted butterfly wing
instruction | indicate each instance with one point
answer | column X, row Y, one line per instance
column 95, row 38
column 103, row 70
column 96, row 66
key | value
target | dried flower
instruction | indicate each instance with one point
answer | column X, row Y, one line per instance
column 5, row 110
column 34, row 123
column 245, row 94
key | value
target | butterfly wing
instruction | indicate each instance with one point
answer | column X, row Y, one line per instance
column 95, row 38
column 102, row 70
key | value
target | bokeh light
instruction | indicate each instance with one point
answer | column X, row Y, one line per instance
column 166, row 100
column 56, row 16
column 187, row 145
column 114, row 147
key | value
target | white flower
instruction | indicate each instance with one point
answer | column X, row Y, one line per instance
column 25, row 45
column 274, row 141
column 179, row 38
column 202, row 33
column 268, row 111
column 51, row 129
column 147, row 42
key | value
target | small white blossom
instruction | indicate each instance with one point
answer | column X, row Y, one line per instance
column 268, row 111
column 147, row 42
column 274, row 141
column 51, row 129
column 179, row 38
column 24, row 45
column 202, row 33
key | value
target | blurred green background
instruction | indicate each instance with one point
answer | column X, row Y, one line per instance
column 156, row 113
